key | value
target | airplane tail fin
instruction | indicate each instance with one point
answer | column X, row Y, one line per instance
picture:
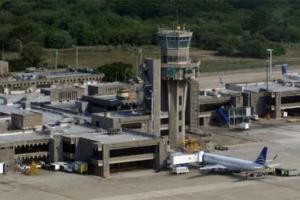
column 261, row 159
column 221, row 81
column 284, row 69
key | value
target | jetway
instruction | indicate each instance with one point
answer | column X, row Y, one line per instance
column 177, row 158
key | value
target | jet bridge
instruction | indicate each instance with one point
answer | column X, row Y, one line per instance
column 177, row 159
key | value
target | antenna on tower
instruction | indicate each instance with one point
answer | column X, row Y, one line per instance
column 177, row 15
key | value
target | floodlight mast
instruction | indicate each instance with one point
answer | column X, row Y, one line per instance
column 269, row 70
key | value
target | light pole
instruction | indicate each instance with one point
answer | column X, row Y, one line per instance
column 270, row 67
column 20, row 46
column 56, row 59
column 76, row 61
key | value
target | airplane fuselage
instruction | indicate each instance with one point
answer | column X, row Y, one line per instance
column 292, row 76
column 232, row 164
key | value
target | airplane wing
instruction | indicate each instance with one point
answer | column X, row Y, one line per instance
column 273, row 165
column 210, row 167
column 274, row 158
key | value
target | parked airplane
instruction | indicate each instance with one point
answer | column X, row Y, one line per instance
column 289, row 75
column 230, row 164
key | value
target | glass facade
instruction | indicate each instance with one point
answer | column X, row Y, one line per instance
column 188, row 70
column 171, row 72
column 175, row 42
column 184, row 42
column 167, row 59
column 163, row 42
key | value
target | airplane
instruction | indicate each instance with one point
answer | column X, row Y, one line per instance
column 293, row 76
column 214, row 162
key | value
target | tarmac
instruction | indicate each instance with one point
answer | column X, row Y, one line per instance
column 212, row 80
column 282, row 139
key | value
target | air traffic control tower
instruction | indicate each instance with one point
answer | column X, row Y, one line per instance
column 177, row 70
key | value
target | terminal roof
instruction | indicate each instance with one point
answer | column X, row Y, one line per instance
column 21, row 137
column 273, row 87
column 101, row 135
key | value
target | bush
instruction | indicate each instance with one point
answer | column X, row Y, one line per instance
column 32, row 54
column 16, row 65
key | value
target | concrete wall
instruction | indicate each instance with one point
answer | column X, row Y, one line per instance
column 66, row 94
column 177, row 98
column 4, row 124
column 7, row 155
column 277, row 113
column 193, row 104
column 55, row 149
column 107, row 88
column 237, row 101
column 154, row 69
column 159, row 159
column 27, row 120
column 84, row 150
column 122, row 122
column 4, row 69
column 44, row 82
column 258, row 101
column 105, row 122
column 100, row 165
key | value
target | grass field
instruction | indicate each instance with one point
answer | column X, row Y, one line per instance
column 98, row 55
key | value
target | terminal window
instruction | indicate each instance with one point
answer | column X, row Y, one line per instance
column 184, row 42
column 180, row 115
column 180, row 100
column 173, row 42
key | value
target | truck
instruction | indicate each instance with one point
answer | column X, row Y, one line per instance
column 287, row 172
column 2, row 168
column 80, row 167
column 54, row 167
column 63, row 166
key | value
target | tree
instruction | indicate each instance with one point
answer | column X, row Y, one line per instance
column 59, row 24
column 117, row 71
column 58, row 39
column 83, row 33
column 229, row 46
column 28, row 31
column 32, row 54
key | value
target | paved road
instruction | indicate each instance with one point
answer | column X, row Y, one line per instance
column 198, row 190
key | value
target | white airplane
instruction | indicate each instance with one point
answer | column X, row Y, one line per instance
column 230, row 164
column 292, row 76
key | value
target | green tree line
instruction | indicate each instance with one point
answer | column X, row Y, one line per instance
column 231, row 27
column 117, row 71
